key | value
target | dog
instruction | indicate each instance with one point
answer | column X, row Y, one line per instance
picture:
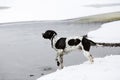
column 64, row 45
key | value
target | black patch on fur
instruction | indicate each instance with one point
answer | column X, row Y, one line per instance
column 61, row 43
column 73, row 42
column 86, row 44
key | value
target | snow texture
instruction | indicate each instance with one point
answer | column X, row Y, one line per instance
column 107, row 68
column 108, row 33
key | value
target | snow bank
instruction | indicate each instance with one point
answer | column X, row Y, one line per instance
column 107, row 68
column 108, row 33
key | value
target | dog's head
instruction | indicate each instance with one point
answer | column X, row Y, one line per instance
column 49, row 34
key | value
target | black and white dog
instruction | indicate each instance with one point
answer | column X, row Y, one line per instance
column 64, row 45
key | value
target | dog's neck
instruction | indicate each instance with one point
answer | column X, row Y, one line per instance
column 53, row 37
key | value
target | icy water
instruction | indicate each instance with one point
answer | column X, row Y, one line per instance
column 25, row 55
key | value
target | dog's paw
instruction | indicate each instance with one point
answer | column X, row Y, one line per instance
column 92, row 61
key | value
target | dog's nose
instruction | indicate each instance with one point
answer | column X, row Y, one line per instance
column 42, row 34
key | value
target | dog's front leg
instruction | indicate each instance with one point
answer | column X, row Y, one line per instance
column 59, row 58
column 61, row 61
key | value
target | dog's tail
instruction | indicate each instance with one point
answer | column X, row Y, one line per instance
column 102, row 44
column 92, row 43
column 109, row 44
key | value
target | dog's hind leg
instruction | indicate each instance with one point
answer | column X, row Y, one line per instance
column 88, row 56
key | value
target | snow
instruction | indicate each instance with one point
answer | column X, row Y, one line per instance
column 35, row 10
column 108, row 33
column 107, row 68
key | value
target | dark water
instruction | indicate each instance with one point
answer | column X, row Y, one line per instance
column 25, row 55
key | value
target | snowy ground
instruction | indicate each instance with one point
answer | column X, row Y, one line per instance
column 107, row 68
column 108, row 33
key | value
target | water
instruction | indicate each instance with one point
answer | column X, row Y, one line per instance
column 25, row 55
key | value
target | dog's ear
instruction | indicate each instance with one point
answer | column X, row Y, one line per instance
column 49, row 34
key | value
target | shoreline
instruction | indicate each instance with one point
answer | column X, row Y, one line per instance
column 98, row 18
